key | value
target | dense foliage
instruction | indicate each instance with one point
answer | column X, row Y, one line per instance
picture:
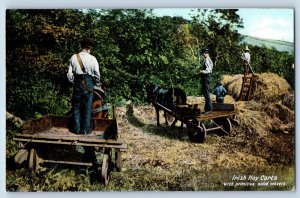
column 133, row 47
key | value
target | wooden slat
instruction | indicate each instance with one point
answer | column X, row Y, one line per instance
column 73, row 139
column 47, row 122
column 217, row 114
column 92, row 144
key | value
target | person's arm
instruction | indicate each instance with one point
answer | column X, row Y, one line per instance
column 97, row 73
column 198, row 70
column 243, row 56
column 224, row 91
column 70, row 74
column 214, row 91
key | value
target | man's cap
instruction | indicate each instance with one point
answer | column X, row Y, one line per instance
column 205, row 50
column 86, row 42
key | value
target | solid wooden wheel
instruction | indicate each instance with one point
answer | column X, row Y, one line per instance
column 225, row 124
column 34, row 161
column 202, row 134
column 105, row 169
column 21, row 156
column 98, row 103
column 169, row 119
column 118, row 160
column 197, row 134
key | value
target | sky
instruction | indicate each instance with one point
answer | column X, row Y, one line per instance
column 277, row 24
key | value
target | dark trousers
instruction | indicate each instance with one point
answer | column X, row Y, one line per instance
column 220, row 99
column 205, row 82
column 82, row 104
column 247, row 69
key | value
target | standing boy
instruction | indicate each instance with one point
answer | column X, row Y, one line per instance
column 205, row 76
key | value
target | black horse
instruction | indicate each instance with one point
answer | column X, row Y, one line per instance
column 167, row 97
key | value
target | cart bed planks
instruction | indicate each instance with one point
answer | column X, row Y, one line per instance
column 52, row 131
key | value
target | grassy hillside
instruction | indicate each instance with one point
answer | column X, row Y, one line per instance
column 269, row 43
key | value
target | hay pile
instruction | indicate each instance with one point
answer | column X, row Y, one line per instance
column 270, row 86
column 271, row 108
column 233, row 84
column 268, row 119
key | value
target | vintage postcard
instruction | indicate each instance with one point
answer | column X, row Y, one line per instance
column 191, row 99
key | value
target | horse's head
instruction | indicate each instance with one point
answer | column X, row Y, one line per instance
column 151, row 92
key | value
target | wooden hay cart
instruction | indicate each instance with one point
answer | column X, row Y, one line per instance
column 48, row 140
column 40, row 136
column 191, row 116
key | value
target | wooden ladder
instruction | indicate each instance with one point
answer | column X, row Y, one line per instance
column 247, row 90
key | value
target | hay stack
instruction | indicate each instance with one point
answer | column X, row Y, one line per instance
column 233, row 84
column 270, row 86
column 271, row 108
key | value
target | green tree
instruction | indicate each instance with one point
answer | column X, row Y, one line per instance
column 37, row 42
column 133, row 47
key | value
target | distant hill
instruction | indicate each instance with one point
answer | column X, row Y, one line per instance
column 282, row 46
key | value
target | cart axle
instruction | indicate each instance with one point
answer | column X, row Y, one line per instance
column 68, row 162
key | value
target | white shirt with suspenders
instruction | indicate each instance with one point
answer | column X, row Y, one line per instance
column 90, row 63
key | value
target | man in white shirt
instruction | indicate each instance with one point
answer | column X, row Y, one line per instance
column 83, row 73
column 205, row 75
column 246, row 61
